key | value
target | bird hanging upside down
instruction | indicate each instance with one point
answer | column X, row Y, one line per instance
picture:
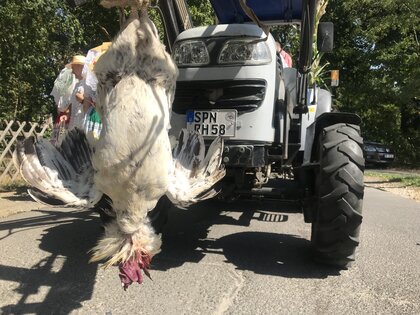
column 132, row 162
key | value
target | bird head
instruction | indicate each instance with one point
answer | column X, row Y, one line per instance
column 130, row 270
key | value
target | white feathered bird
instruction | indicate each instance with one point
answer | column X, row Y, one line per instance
column 132, row 162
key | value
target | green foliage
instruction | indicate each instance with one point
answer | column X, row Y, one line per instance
column 377, row 51
column 318, row 72
column 202, row 12
column 37, row 39
column 288, row 36
column 381, row 121
column 156, row 17
column 376, row 48
column 40, row 36
column 98, row 23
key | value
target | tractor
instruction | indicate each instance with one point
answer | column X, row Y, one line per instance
column 282, row 141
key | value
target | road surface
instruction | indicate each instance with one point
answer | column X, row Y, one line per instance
column 239, row 259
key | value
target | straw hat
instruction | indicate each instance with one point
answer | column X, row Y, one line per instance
column 78, row 60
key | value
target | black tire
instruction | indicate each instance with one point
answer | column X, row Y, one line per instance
column 339, row 195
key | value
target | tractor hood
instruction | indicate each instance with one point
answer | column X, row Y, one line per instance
column 268, row 11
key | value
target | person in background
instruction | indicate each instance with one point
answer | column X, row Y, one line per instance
column 62, row 91
column 92, row 125
column 77, row 113
column 92, row 122
column 286, row 59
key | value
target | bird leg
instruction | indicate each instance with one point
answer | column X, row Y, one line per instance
column 134, row 13
column 135, row 5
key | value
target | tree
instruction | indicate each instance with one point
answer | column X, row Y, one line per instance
column 37, row 39
column 376, row 49
column 202, row 12
column 377, row 52
column 98, row 23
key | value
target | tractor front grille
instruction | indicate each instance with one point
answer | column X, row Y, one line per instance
column 242, row 95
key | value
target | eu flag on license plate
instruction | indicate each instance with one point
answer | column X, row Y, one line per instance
column 190, row 116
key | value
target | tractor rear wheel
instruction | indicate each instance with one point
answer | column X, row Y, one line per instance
column 339, row 195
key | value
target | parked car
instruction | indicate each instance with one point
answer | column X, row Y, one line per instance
column 377, row 154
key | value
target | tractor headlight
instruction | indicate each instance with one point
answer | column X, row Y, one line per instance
column 191, row 53
column 246, row 51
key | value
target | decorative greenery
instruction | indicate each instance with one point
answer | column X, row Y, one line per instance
column 318, row 72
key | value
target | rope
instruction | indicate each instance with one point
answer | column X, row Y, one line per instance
column 183, row 12
column 254, row 18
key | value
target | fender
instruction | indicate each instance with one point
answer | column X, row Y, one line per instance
column 325, row 120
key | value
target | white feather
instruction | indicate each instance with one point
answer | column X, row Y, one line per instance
column 193, row 174
column 59, row 172
column 132, row 160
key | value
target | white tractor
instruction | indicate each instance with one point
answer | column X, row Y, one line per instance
column 281, row 139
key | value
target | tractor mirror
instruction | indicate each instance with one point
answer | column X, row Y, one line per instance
column 325, row 37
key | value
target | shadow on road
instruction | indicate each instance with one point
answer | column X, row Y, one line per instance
column 19, row 197
column 185, row 239
column 64, row 275
column 66, row 279
column 19, row 194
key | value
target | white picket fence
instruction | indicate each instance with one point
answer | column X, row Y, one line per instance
column 11, row 132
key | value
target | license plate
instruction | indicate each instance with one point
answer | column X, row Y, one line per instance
column 389, row 156
column 213, row 123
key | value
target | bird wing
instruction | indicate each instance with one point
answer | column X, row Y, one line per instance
column 194, row 173
column 63, row 173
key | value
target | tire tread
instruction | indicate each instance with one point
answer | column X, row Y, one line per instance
column 340, row 190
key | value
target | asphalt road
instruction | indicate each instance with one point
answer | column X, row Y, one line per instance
column 237, row 259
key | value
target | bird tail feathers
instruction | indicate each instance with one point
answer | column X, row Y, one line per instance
column 194, row 173
column 60, row 175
